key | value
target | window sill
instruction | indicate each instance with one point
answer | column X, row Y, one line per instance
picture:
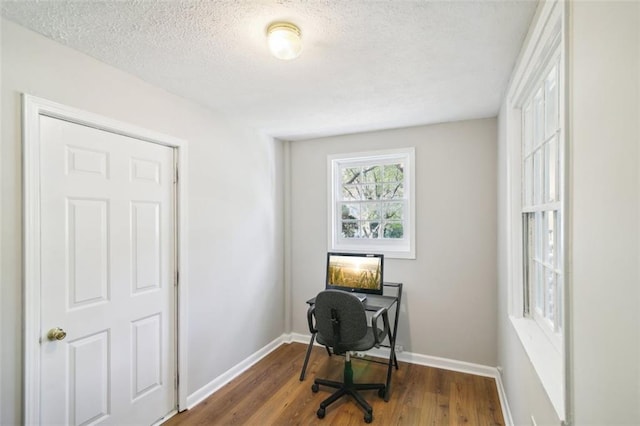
column 546, row 359
column 386, row 250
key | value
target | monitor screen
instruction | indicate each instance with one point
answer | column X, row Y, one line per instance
column 355, row 272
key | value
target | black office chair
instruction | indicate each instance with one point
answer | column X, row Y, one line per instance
column 341, row 323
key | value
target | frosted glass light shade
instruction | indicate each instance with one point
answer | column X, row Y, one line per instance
column 284, row 41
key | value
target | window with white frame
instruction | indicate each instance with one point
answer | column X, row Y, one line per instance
column 536, row 198
column 372, row 203
column 542, row 204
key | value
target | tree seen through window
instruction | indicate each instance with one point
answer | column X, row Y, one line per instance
column 372, row 201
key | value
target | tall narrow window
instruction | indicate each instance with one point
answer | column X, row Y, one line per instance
column 536, row 202
column 371, row 205
column 542, row 205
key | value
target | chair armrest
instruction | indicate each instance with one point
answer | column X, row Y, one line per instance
column 310, row 315
column 374, row 325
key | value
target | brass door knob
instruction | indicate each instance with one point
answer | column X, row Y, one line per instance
column 56, row 334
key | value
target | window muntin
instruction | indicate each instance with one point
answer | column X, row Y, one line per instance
column 542, row 205
column 371, row 206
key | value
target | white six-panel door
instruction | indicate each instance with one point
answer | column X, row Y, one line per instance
column 107, row 277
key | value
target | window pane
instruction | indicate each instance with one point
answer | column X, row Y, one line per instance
column 370, row 211
column 352, row 175
column 559, row 298
column 351, row 192
column 377, row 191
column 551, row 102
column 558, row 254
column 369, row 229
column 393, row 211
column 369, row 192
column 527, row 129
column 552, row 183
column 393, row 230
column 538, row 237
column 545, row 172
column 550, row 291
column 539, row 288
column 528, row 181
column 392, row 191
column 394, row 172
column 350, row 211
column 349, row 229
column 538, row 118
column 372, row 174
column 537, row 177
column 550, row 238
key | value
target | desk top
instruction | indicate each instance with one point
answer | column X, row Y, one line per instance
column 374, row 302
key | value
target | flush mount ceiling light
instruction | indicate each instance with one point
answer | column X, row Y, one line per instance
column 284, row 40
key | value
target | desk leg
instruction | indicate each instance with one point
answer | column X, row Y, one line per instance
column 306, row 357
column 392, row 360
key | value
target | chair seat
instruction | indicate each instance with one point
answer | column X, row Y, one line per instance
column 364, row 344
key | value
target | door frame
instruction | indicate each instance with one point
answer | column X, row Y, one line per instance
column 32, row 108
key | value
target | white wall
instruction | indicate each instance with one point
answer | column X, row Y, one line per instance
column 449, row 308
column 605, row 143
column 603, row 81
column 235, row 213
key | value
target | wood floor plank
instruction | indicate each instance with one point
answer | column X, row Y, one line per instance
column 462, row 408
column 270, row 393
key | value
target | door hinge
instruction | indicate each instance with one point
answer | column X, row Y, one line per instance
column 176, row 175
column 177, row 278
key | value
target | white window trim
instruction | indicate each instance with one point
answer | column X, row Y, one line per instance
column 403, row 249
column 549, row 360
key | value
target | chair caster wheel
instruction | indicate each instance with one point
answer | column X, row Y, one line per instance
column 381, row 392
column 320, row 413
column 368, row 418
column 315, row 388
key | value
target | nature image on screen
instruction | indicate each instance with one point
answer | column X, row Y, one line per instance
column 355, row 272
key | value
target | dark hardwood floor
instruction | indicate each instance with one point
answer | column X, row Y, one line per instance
column 270, row 393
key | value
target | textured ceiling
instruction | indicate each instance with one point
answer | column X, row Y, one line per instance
column 366, row 65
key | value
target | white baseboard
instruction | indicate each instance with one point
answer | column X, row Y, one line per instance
column 300, row 338
column 444, row 363
column 426, row 360
column 208, row 389
column 502, row 394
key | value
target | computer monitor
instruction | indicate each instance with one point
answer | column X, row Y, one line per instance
column 355, row 272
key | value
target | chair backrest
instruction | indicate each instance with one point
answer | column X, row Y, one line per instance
column 340, row 319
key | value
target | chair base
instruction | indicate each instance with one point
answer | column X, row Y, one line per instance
column 350, row 389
